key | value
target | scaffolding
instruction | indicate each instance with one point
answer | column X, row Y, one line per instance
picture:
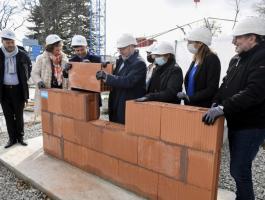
column 97, row 26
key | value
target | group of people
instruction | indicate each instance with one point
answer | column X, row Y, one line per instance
column 240, row 98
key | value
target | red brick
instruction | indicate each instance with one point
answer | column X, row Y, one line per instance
column 119, row 144
column 102, row 165
column 139, row 180
column 46, row 122
column 52, row 145
column 160, row 157
column 54, row 101
column 183, row 125
column 57, row 125
column 73, row 104
column 44, row 101
column 202, row 169
column 170, row 189
column 75, row 154
column 83, row 76
column 143, row 119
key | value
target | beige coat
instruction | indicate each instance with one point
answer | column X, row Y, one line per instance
column 42, row 72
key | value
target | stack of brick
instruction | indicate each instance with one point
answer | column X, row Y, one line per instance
column 163, row 152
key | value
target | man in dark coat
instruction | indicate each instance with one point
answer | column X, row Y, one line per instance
column 241, row 100
column 15, row 68
column 127, row 80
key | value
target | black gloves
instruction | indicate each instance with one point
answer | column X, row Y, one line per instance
column 143, row 99
column 101, row 75
column 212, row 114
column 66, row 69
column 41, row 85
column 183, row 95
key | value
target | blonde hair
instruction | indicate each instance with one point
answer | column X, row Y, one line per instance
column 203, row 52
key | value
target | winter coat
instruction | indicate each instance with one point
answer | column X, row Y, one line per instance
column 127, row 84
column 24, row 67
column 42, row 71
column 165, row 83
column 206, row 80
column 90, row 57
column 242, row 92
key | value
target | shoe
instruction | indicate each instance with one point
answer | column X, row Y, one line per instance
column 10, row 143
column 21, row 141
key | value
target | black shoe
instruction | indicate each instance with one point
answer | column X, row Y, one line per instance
column 21, row 141
column 10, row 143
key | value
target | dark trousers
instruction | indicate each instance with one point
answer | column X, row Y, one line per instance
column 13, row 106
column 244, row 146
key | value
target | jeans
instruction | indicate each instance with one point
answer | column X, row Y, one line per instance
column 244, row 146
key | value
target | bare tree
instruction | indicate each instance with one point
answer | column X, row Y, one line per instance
column 8, row 9
column 260, row 8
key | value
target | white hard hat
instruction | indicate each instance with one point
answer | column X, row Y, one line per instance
column 151, row 48
column 250, row 25
column 51, row 39
column 162, row 48
column 125, row 40
column 8, row 34
column 201, row 34
column 79, row 40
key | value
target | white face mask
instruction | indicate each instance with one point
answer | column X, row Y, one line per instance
column 192, row 49
column 160, row 61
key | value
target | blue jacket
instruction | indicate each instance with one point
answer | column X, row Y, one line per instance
column 127, row 84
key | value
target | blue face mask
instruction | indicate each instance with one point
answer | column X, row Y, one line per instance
column 160, row 61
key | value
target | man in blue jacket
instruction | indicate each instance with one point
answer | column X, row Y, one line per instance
column 241, row 100
column 127, row 80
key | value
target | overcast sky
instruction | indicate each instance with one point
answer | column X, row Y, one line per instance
column 147, row 17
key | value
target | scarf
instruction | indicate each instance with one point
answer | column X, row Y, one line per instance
column 57, row 68
column 10, row 60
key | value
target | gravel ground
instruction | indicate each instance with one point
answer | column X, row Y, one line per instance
column 13, row 188
column 227, row 182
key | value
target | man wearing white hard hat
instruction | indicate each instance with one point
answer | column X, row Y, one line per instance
column 79, row 44
column 241, row 100
column 15, row 68
column 127, row 80
column 167, row 77
column 202, row 78
column 47, row 71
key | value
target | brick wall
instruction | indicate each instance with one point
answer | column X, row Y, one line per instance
column 163, row 152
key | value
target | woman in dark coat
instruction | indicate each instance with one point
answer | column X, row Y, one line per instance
column 167, row 77
column 202, row 79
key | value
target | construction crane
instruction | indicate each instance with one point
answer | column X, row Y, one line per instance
column 97, row 26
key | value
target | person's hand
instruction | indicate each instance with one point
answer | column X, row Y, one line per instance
column 41, row 85
column 101, row 75
column 67, row 67
column 182, row 95
column 214, row 105
column 142, row 99
column 212, row 114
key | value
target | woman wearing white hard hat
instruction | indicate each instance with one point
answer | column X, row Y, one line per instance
column 202, row 78
column 167, row 78
column 47, row 71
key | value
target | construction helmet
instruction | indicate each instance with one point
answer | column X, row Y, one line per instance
column 51, row 39
column 162, row 48
column 8, row 34
column 151, row 48
column 254, row 25
column 125, row 40
column 201, row 34
column 79, row 40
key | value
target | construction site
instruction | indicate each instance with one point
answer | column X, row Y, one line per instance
column 161, row 151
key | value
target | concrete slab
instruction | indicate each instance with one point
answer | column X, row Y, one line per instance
column 62, row 181
column 56, row 178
